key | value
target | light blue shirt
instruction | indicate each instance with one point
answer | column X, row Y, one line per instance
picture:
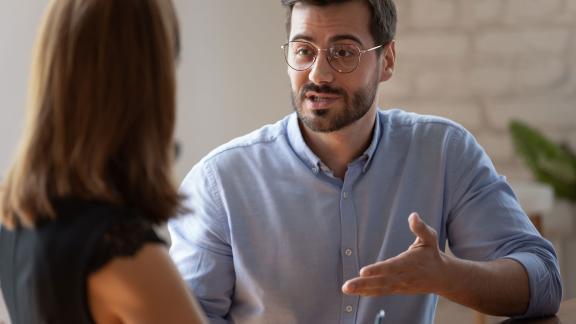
column 272, row 235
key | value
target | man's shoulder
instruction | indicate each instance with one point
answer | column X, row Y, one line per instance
column 266, row 136
column 397, row 119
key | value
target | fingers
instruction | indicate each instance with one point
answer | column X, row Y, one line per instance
column 374, row 279
column 382, row 268
column 377, row 286
column 425, row 235
column 366, row 286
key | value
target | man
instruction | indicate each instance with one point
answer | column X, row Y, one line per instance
column 341, row 210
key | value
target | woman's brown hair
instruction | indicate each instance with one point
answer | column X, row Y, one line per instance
column 101, row 111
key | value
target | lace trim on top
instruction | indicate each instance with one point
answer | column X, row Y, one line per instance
column 123, row 238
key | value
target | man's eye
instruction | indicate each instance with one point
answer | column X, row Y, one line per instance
column 342, row 53
column 303, row 52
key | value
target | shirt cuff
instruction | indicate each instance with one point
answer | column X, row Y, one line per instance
column 544, row 282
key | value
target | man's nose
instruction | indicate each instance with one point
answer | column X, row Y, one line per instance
column 321, row 71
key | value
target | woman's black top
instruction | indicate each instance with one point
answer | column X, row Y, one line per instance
column 44, row 271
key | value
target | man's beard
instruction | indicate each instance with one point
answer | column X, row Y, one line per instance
column 326, row 121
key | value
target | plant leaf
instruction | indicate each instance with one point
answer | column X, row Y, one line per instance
column 550, row 163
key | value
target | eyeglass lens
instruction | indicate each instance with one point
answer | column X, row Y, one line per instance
column 342, row 57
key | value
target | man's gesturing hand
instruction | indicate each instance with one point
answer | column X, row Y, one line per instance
column 417, row 270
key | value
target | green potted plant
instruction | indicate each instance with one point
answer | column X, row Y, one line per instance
column 551, row 163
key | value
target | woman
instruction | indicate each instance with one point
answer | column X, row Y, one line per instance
column 93, row 173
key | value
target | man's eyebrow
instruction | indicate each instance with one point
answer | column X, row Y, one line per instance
column 333, row 39
column 337, row 38
column 302, row 37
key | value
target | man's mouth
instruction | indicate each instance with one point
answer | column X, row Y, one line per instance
column 316, row 100
column 319, row 99
column 313, row 95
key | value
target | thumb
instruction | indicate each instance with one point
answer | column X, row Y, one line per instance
column 425, row 235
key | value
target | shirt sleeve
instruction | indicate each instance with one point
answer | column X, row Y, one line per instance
column 485, row 222
column 201, row 244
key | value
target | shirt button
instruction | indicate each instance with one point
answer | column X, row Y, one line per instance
column 348, row 252
column 349, row 309
column 345, row 194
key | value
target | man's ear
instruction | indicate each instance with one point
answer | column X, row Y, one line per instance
column 388, row 61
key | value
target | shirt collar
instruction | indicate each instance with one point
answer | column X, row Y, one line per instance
column 299, row 145
column 312, row 160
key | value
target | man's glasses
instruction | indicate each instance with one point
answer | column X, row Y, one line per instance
column 343, row 58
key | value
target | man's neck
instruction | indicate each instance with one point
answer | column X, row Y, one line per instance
column 337, row 149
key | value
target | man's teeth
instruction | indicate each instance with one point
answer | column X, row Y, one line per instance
column 319, row 99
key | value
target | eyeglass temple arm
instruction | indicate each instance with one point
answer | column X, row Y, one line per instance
column 371, row 49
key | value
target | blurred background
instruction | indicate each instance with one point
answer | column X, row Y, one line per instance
column 482, row 63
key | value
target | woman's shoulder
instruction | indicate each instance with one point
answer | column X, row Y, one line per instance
column 122, row 237
column 97, row 231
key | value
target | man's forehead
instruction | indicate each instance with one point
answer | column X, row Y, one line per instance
column 348, row 20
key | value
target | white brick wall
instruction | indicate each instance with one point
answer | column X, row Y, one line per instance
column 571, row 7
column 433, row 13
column 548, row 113
column 571, row 139
column 432, row 47
column 483, row 12
column 541, row 74
column 502, row 43
column 520, row 11
column 464, row 112
column 483, row 63
column 497, row 145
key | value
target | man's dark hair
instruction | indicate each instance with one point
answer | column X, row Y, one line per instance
column 382, row 25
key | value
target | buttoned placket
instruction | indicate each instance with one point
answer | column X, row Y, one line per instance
column 349, row 241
